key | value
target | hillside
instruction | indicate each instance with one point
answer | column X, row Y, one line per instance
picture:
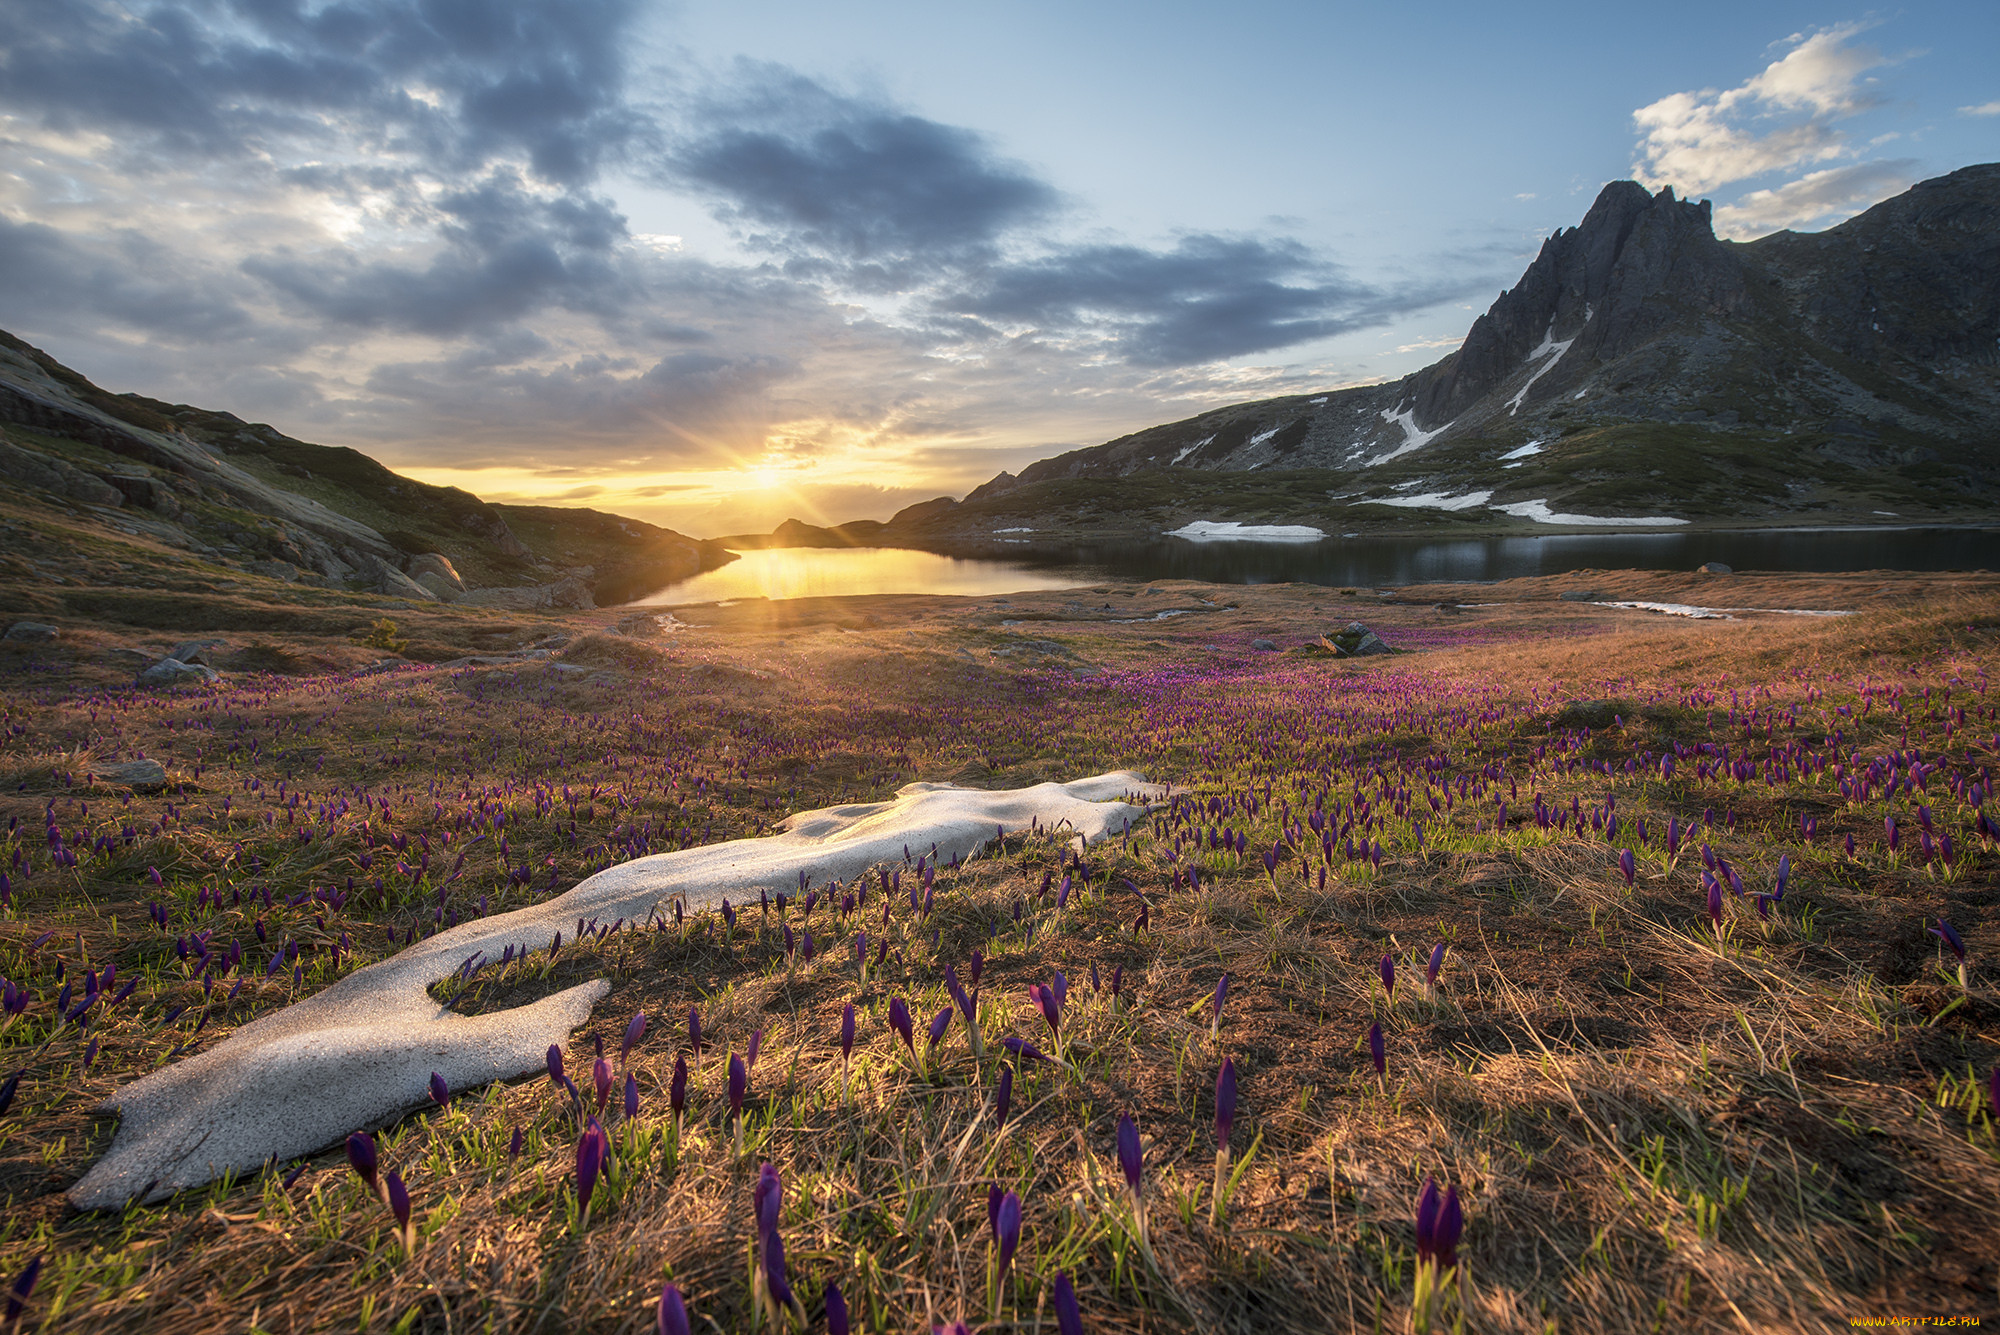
column 1640, row 369
column 245, row 499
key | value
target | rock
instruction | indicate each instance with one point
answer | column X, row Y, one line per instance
column 1357, row 641
column 142, row 774
column 32, row 632
column 1714, row 568
column 440, row 588
column 173, row 672
column 436, row 564
column 196, row 651
column 283, row 570
column 1578, row 595
column 146, row 490
column 1450, row 609
column 1264, row 646
column 398, row 585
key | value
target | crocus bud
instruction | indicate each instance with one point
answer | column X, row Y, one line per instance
column 739, row 1084
column 899, row 1020
column 440, row 1091
column 1436, row 965
column 836, row 1310
column 600, row 1076
column 589, row 1162
column 847, row 1031
column 361, row 1153
column 1069, row 1321
column 634, row 1031
column 399, row 1199
column 1948, row 934
column 677, row 1088
column 1007, row 1229
column 21, row 1290
column 1003, row 1097
column 1130, row 1161
column 1389, row 977
column 1378, row 1051
column 631, row 1096
column 555, row 1065
column 673, row 1312
column 939, row 1023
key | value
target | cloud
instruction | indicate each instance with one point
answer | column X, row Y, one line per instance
column 1206, row 299
column 1700, row 140
column 889, row 196
column 1982, row 109
column 506, row 251
column 1821, row 196
column 457, row 85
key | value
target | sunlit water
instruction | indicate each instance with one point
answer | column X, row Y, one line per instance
column 804, row 572
column 813, row 572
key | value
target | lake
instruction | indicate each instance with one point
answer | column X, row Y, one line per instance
column 801, row 572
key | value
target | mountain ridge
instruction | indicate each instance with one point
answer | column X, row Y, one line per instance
column 1640, row 368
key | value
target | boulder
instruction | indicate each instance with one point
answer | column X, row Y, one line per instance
column 1578, row 595
column 1713, row 568
column 142, row 774
column 1264, row 646
column 32, row 631
column 281, row 570
column 1357, row 641
column 398, row 585
column 435, row 572
column 173, row 672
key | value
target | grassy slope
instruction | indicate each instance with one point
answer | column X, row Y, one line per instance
column 1652, row 1129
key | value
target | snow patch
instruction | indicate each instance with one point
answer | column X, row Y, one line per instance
column 1013, row 530
column 1263, row 436
column 1414, row 436
column 1191, row 449
column 1538, row 510
column 1316, row 402
column 1545, row 348
column 1435, row 501
column 1531, row 448
column 1719, row 613
column 1208, row 530
column 356, row 1053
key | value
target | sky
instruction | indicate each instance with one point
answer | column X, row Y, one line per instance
column 719, row 264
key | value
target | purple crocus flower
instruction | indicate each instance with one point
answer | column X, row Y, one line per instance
column 1007, row 1229
column 1436, row 966
column 399, row 1204
column 1130, row 1160
column 694, row 1032
column 1715, row 903
column 440, row 1091
column 590, row 1151
column 1378, row 1051
column 1628, row 866
column 361, row 1154
column 514, row 1144
column 1389, row 977
column 1440, row 1223
column 555, row 1066
column 939, row 1023
column 634, row 1031
column 1889, row 829
column 1784, row 876
column 600, row 1077
column 739, row 1085
column 1215, row 1005
column 899, row 1020
column 673, row 1312
column 1948, row 934
column 22, row 1289
column 1062, row 1297
column 631, row 1096
column 1051, row 1009
column 677, row 1088
column 1003, row 1097
column 836, row 1310
column 1022, row 1049
column 847, row 1032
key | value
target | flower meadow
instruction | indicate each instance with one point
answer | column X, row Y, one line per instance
column 1631, row 982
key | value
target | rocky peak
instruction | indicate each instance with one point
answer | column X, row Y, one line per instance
column 1631, row 267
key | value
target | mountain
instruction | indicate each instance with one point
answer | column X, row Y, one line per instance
column 1641, row 368
column 245, row 497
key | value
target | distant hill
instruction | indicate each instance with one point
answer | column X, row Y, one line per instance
column 247, row 496
column 1640, row 368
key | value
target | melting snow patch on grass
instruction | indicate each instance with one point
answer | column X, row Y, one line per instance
column 1435, row 501
column 1720, row 613
column 1538, row 510
column 1208, row 530
column 1414, row 436
column 1531, row 448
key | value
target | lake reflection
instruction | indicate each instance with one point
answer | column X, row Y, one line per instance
column 805, row 572
column 814, row 572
